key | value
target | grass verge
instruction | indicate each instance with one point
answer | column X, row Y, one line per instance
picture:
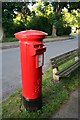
column 13, row 39
column 67, row 63
column 53, row 97
column 9, row 39
column 57, row 36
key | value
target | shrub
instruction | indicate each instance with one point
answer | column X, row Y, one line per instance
column 61, row 29
column 39, row 23
column 19, row 27
column 67, row 30
column 9, row 30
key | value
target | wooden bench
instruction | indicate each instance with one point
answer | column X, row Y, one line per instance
column 69, row 62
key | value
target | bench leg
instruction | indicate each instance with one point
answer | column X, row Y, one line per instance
column 55, row 77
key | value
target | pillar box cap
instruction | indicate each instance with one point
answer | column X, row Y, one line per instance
column 30, row 35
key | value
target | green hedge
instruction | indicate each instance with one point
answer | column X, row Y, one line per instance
column 13, row 28
column 40, row 23
column 61, row 28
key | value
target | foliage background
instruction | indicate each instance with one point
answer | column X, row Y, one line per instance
column 17, row 16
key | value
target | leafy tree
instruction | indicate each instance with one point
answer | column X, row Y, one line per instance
column 74, row 5
column 17, row 15
column 72, row 18
column 9, row 12
column 42, row 9
column 58, row 6
column 39, row 23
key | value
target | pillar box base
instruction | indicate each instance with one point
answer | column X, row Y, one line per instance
column 32, row 104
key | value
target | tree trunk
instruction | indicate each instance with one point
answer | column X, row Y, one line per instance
column 53, row 31
column 58, row 8
column 2, row 34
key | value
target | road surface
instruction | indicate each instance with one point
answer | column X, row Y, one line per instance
column 11, row 74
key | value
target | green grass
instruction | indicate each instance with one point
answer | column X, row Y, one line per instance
column 49, row 36
column 57, row 36
column 9, row 39
column 13, row 39
column 67, row 64
column 54, row 95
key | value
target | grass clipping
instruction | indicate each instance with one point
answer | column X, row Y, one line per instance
column 53, row 96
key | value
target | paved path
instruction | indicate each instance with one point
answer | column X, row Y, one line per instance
column 69, row 109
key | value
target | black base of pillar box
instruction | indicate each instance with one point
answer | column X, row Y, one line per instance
column 32, row 104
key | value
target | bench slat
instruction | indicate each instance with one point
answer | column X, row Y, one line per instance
column 59, row 60
column 69, row 69
column 74, row 51
column 63, row 58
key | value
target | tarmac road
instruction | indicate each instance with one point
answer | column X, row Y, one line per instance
column 11, row 75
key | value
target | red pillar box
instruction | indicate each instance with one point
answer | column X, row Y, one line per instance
column 32, row 59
